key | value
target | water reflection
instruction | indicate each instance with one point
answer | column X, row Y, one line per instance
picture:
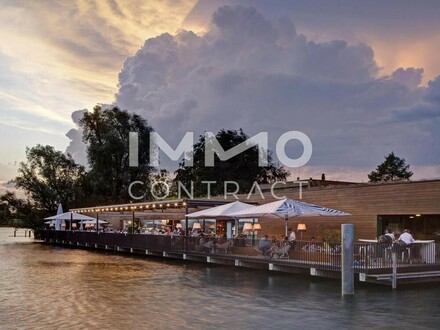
column 46, row 287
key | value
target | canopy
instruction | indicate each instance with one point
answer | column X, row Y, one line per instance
column 220, row 212
column 70, row 216
column 57, row 222
column 285, row 209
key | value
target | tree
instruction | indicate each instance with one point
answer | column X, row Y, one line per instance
column 24, row 210
column 5, row 212
column 106, row 135
column 392, row 169
column 49, row 177
column 243, row 168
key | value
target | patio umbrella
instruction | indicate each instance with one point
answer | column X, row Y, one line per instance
column 70, row 216
column 287, row 208
column 220, row 212
column 59, row 222
column 224, row 211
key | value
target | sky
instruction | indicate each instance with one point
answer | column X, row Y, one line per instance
column 360, row 78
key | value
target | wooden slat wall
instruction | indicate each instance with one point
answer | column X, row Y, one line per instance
column 364, row 202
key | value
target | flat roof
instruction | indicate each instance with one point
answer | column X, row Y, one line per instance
column 155, row 205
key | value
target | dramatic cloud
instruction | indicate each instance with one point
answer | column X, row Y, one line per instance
column 56, row 56
column 262, row 75
column 76, row 147
column 314, row 71
column 402, row 34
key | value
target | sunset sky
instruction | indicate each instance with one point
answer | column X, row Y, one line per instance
column 359, row 77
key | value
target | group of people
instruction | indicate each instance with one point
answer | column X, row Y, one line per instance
column 405, row 237
column 277, row 248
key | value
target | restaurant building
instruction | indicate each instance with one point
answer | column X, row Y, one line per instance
column 413, row 205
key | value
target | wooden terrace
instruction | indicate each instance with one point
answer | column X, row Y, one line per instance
column 372, row 262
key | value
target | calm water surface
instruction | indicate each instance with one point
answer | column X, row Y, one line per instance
column 46, row 287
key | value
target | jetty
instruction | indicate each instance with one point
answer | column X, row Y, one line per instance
column 372, row 262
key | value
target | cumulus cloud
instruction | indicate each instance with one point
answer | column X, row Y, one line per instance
column 410, row 77
column 249, row 72
column 76, row 147
column 263, row 75
column 401, row 36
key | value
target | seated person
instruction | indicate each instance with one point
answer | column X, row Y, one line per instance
column 312, row 247
column 390, row 234
column 406, row 237
column 264, row 245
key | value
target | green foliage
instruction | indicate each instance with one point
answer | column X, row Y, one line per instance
column 392, row 169
column 106, row 134
column 49, row 177
column 331, row 235
column 243, row 168
column 25, row 211
column 5, row 212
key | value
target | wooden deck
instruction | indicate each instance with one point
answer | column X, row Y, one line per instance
column 326, row 265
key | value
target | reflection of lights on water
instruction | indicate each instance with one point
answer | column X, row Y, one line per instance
column 270, row 282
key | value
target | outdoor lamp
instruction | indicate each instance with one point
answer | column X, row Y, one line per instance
column 247, row 227
column 256, row 227
column 196, row 225
column 301, row 227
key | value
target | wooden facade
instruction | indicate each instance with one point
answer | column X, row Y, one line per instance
column 365, row 202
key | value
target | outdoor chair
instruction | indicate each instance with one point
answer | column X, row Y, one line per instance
column 401, row 247
column 408, row 253
column 225, row 247
column 209, row 247
column 385, row 242
column 280, row 252
column 262, row 252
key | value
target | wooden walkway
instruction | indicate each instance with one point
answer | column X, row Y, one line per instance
column 327, row 265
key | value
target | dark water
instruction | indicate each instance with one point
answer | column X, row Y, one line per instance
column 46, row 287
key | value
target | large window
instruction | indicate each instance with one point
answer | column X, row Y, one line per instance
column 422, row 226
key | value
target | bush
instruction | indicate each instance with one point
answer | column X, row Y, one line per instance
column 331, row 235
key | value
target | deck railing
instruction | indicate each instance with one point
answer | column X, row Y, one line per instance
column 369, row 258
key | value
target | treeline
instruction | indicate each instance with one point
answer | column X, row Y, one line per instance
column 49, row 177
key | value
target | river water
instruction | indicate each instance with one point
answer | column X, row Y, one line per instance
column 47, row 287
